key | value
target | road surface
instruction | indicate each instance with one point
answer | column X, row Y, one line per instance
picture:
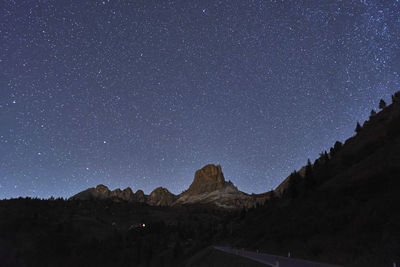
column 272, row 260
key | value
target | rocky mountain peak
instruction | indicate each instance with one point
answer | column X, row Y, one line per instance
column 207, row 179
column 99, row 192
column 140, row 196
column 159, row 191
column 127, row 191
column 102, row 189
column 208, row 187
column 125, row 194
column 161, row 197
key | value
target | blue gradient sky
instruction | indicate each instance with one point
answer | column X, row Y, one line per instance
column 143, row 93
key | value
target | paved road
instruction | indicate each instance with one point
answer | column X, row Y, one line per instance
column 272, row 260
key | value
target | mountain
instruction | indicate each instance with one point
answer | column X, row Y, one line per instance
column 282, row 187
column 161, row 197
column 208, row 188
column 207, row 179
column 140, row 196
column 102, row 192
column 125, row 194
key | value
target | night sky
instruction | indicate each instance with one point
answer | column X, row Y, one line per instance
column 143, row 93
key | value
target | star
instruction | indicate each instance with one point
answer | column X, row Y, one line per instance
column 147, row 98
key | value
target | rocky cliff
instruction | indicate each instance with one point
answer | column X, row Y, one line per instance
column 207, row 179
column 161, row 197
column 208, row 188
column 102, row 192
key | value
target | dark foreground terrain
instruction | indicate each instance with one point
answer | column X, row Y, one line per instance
column 342, row 209
column 103, row 233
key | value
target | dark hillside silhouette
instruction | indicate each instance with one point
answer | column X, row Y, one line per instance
column 349, row 213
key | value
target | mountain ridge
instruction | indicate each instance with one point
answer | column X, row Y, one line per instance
column 208, row 188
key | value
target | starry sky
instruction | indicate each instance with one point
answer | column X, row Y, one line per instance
column 143, row 93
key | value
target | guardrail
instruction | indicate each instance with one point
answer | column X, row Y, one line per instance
column 274, row 260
